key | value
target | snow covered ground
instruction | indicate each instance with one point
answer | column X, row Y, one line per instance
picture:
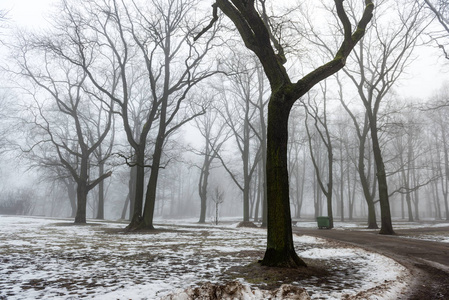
column 396, row 225
column 53, row 259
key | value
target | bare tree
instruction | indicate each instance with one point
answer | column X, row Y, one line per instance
column 378, row 72
column 410, row 162
column 440, row 10
column 125, row 35
column 321, row 128
column 102, row 154
column 241, row 116
column 18, row 202
column 297, row 160
column 217, row 198
column 439, row 131
column 364, row 166
column 254, row 27
column 215, row 135
column 378, row 62
column 6, row 119
column 66, row 122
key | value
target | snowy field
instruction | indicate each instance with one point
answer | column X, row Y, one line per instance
column 53, row 259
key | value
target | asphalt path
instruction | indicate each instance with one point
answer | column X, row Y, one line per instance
column 428, row 261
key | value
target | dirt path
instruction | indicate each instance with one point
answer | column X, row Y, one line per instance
column 428, row 261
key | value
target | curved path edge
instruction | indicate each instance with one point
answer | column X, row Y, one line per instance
column 427, row 261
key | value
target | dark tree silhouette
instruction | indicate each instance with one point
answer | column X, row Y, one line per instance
column 253, row 25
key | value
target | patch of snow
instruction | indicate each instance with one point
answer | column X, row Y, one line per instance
column 327, row 253
column 374, row 270
column 307, row 239
column 427, row 237
column 53, row 259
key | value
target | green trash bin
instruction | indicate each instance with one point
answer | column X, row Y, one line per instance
column 323, row 222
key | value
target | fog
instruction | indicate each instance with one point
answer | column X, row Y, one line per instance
column 36, row 175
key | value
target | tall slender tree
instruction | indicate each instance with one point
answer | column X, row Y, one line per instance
column 214, row 132
column 321, row 128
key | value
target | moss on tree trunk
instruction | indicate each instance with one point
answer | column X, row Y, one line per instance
column 280, row 249
column 81, row 193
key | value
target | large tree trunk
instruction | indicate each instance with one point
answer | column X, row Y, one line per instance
column 246, row 197
column 330, row 213
column 136, row 204
column 82, row 190
column 150, row 198
column 81, row 193
column 280, row 249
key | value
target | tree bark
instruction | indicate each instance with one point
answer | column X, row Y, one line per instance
column 82, row 188
column 280, row 249
column 150, row 197
column 136, row 204
column 386, row 224
column 81, row 193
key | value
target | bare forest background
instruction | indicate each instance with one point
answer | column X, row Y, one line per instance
column 114, row 101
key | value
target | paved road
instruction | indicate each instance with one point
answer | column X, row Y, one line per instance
column 428, row 261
